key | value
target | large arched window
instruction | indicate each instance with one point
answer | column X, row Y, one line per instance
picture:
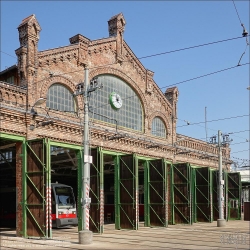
column 130, row 115
column 60, row 98
column 158, row 127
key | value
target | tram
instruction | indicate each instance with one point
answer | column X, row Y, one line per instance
column 63, row 206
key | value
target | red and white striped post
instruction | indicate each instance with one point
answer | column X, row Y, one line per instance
column 48, row 211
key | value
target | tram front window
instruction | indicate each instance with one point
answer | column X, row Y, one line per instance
column 64, row 197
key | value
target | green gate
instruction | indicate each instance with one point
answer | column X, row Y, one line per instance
column 181, row 194
column 95, row 224
column 234, row 193
column 203, row 195
column 36, row 181
column 126, row 193
column 155, row 193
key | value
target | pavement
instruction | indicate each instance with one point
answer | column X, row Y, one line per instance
column 235, row 235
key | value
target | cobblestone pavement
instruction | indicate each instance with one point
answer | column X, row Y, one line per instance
column 197, row 236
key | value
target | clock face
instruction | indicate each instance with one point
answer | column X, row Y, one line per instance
column 115, row 101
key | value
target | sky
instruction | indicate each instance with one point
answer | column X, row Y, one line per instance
column 159, row 27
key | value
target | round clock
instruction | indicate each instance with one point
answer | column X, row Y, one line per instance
column 115, row 101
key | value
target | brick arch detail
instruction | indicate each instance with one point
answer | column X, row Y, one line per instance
column 127, row 79
column 163, row 118
column 58, row 79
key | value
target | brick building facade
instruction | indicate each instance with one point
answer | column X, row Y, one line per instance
column 37, row 71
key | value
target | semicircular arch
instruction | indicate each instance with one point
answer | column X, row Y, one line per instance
column 46, row 84
column 127, row 79
column 164, row 119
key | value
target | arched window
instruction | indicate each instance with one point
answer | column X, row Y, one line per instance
column 60, row 98
column 130, row 115
column 158, row 127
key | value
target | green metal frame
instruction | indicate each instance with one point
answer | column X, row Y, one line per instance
column 233, row 194
column 188, row 199
column 204, row 189
column 12, row 137
column 79, row 156
column 119, row 206
column 96, row 169
column 151, row 187
column 117, row 192
column 24, row 158
column 45, row 173
column 48, row 178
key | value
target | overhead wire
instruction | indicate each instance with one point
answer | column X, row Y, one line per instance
column 244, row 34
column 240, row 151
column 221, row 119
column 237, row 12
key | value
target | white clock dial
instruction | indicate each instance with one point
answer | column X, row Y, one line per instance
column 115, row 101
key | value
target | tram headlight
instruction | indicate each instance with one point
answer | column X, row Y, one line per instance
column 60, row 212
column 73, row 212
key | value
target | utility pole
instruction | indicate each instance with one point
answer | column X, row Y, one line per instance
column 221, row 222
column 85, row 236
column 206, row 122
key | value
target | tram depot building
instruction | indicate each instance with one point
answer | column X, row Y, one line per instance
column 141, row 169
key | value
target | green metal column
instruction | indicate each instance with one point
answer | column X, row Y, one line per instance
column 24, row 189
column 233, row 181
column 194, row 201
column 117, row 193
column 48, row 189
column 182, row 193
column 157, row 187
column 146, row 195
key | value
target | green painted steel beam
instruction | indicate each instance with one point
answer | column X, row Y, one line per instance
column 48, row 184
column 65, row 145
column 12, row 137
column 117, row 193
column 24, row 189
column 114, row 153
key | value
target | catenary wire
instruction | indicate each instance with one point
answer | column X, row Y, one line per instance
column 237, row 12
column 221, row 119
column 239, row 151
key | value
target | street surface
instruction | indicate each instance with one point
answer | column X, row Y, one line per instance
column 197, row 236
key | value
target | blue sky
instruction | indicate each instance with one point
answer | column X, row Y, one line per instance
column 154, row 27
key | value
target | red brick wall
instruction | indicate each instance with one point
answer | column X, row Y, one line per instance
column 19, row 213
